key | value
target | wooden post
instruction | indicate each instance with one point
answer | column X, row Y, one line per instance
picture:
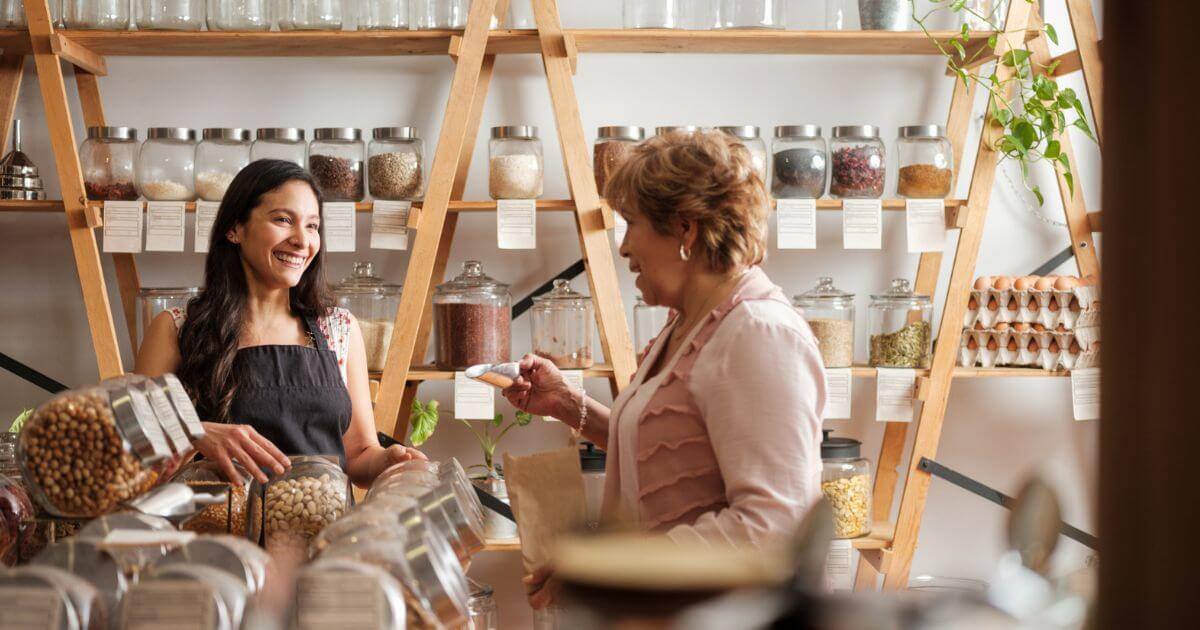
column 1087, row 42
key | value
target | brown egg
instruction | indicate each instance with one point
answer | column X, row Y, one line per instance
column 978, row 325
column 1044, row 284
column 983, row 283
column 972, row 344
column 1024, row 283
column 1074, row 306
column 1033, row 345
column 1053, row 306
column 972, row 303
column 1061, row 327
column 993, row 305
column 1002, row 283
column 1065, row 283
column 1013, row 305
column 1000, row 326
column 1039, row 328
column 1021, row 327
column 1053, row 345
column 1074, row 348
column 992, row 345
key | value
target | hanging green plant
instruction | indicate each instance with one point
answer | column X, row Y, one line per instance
column 1028, row 107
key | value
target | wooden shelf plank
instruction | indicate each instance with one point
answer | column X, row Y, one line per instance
column 502, row 544
column 431, row 373
column 879, row 538
column 1008, row 372
column 766, row 42
column 20, row 205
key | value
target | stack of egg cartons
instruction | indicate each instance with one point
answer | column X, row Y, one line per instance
column 1047, row 322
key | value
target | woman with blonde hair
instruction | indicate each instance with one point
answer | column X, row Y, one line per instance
column 718, row 436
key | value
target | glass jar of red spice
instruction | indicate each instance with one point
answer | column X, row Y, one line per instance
column 472, row 320
column 859, row 162
column 108, row 158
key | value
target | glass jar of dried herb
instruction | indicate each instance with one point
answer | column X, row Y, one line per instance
column 901, row 327
column 926, row 160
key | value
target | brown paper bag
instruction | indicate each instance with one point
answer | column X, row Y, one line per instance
column 546, row 494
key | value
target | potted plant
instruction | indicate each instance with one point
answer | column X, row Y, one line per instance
column 489, row 475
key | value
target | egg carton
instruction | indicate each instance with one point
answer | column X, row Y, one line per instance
column 1050, row 308
column 1023, row 345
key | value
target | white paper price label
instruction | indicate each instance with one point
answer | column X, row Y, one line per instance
column 206, row 215
column 620, row 227
column 473, row 400
column 839, row 383
column 123, row 227
column 1085, row 393
column 796, row 223
column 339, row 220
column 516, row 223
column 389, row 224
column 862, row 224
column 895, row 392
column 838, row 568
column 164, row 226
column 925, row 225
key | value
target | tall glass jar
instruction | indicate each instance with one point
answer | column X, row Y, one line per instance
column 859, row 162
column 650, row 13
column 374, row 303
column 220, row 156
column 440, row 14
column 171, row 15
column 829, row 311
column 472, row 320
column 105, row 15
column 335, row 159
column 562, row 326
column 12, row 13
column 481, row 607
column 799, row 162
column 314, row 15
column 515, row 163
column 396, row 164
column 153, row 301
column 281, row 12
column 648, row 321
column 697, row 15
column 613, row 146
column 239, row 15
column 846, row 484
column 748, row 135
column 108, row 159
column 280, row 143
column 226, row 517
column 167, row 164
column 926, row 160
column 383, row 15
column 901, row 327
column 751, row 14
column 318, row 483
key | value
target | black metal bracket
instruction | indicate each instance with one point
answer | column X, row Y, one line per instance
column 526, row 302
column 997, row 497
column 31, row 375
column 1055, row 262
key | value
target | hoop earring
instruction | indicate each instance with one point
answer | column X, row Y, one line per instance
column 683, row 253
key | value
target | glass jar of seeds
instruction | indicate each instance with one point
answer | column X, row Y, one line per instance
column 748, row 136
column 108, row 159
column 294, row 507
column 800, row 161
column 472, row 320
column 280, row 143
column 374, row 304
column 830, row 313
column 335, row 159
column 901, row 327
column 561, row 320
column 396, row 164
column 171, row 15
column 219, row 157
column 859, row 162
column 166, row 165
column 515, row 163
column 926, row 160
column 613, row 146
column 846, row 484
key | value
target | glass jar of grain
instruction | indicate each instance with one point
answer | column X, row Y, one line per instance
column 335, row 159
column 108, row 158
column 166, row 166
column 926, row 160
column 220, row 156
column 901, row 327
column 613, row 146
column 396, row 164
column 515, row 163
column 846, row 484
column 830, row 313
column 374, row 303
column 472, row 320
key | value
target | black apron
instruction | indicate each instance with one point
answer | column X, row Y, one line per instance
column 294, row 396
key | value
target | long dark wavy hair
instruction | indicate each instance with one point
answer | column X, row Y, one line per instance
column 208, row 340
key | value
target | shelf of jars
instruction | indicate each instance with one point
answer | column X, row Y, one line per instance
column 431, row 373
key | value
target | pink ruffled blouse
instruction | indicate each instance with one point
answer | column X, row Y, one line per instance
column 723, row 444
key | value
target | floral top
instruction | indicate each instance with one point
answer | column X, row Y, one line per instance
column 335, row 325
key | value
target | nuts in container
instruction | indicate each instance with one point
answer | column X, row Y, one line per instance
column 226, row 517
column 296, row 506
column 846, row 483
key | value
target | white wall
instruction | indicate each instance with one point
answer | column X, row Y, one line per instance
column 996, row 430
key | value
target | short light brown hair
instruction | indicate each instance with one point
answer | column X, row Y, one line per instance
column 705, row 178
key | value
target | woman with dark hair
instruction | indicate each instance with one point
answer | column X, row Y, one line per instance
column 267, row 360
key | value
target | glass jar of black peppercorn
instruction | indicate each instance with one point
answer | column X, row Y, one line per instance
column 859, row 162
column 335, row 159
column 799, row 161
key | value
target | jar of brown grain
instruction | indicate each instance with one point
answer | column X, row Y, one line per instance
column 472, row 320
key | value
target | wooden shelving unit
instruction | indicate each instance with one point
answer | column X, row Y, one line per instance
column 890, row 547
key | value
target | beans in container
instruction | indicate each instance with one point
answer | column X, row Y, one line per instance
column 294, row 507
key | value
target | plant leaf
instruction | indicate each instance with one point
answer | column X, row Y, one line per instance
column 524, row 418
column 966, row 32
column 992, row 42
column 1015, row 57
column 1004, row 115
column 424, row 421
column 1024, row 133
column 498, row 420
column 1053, row 150
column 1037, row 192
column 1082, row 125
column 1051, row 33
column 1067, row 177
column 20, row 421
column 962, row 53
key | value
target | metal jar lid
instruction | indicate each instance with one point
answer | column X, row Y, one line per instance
column 621, row 133
column 798, row 131
column 824, row 294
column 287, row 134
column 921, row 131
column 234, row 134
column 111, row 133
column 348, row 134
column 741, row 132
column 395, row 133
column 171, row 133
column 856, row 131
column 517, row 132
column 662, row 131
column 840, row 447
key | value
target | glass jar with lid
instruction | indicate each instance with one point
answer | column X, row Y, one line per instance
column 472, row 319
column 481, row 607
column 108, row 158
column 926, row 160
column 67, row 597
column 901, row 327
column 829, row 311
column 335, row 159
column 561, row 320
column 106, row 15
column 313, row 15
column 383, row 15
column 440, row 14
column 313, row 606
column 515, row 163
column 648, row 321
column 374, row 303
column 846, row 484
column 800, row 162
column 239, row 15
column 226, row 517
column 318, row 483
column 238, row 557
column 662, row 131
column 88, row 559
column 396, row 164
column 171, row 15
column 751, row 14
column 219, row 157
column 213, row 593
column 280, row 143
column 697, row 15
column 650, row 14
column 613, row 146
column 152, row 301
column 166, row 166
column 859, row 162
column 748, row 135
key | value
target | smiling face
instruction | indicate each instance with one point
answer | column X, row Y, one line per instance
column 281, row 237
column 655, row 258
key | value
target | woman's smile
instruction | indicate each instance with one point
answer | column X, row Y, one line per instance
column 291, row 260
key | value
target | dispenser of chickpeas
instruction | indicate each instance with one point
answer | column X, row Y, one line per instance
column 846, row 483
